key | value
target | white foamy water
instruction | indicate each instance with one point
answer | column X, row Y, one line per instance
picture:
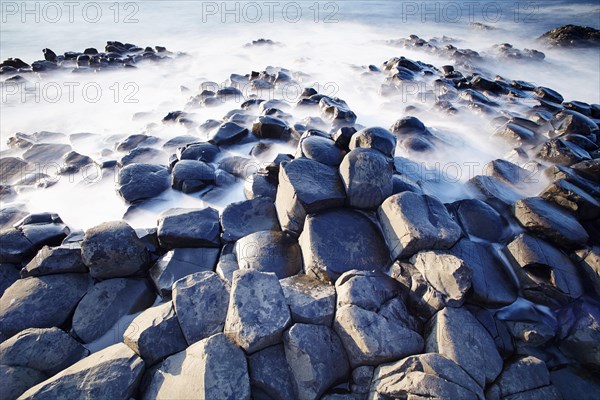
column 331, row 55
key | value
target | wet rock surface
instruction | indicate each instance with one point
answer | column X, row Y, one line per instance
column 358, row 267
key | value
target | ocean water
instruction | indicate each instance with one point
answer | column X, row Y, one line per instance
column 329, row 42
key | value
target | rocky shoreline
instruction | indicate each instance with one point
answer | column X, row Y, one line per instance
column 341, row 276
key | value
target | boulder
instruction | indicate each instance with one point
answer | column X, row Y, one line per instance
column 29, row 235
column 270, row 375
column 227, row 264
column 572, row 198
column 550, row 222
column 112, row 249
column 190, row 176
column 374, row 138
column 228, row 133
column 449, row 275
column 588, row 262
column 114, row 372
column 55, row 260
column 9, row 274
column 372, row 338
column 579, row 331
column 523, row 378
column 245, row 217
column 19, row 379
column 41, row 302
column 106, row 302
column 213, row 368
column 321, row 149
column 492, row 282
column 48, row 350
column 479, row 220
column 306, row 186
column 367, row 177
column 311, row 301
column 189, row 227
column 560, row 151
column 155, row 334
column 46, row 153
column 136, row 182
column 267, row 127
column 494, row 191
column 456, row 334
column 546, row 274
column 179, row 263
column 200, row 151
column 337, row 111
column 269, row 251
column 574, row 382
column 201, row 301
column 336, row 241
column 508, row 172
column 413, row 222
column 316, row 358
column 12, row 169
column 429, row 375
column 258, row 313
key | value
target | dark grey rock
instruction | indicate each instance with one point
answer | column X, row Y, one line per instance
column 9, row 274
column 374, row 138
column 321, row 149
column 572, row 198
column 227, row 264
column 516, row 135
column 525, row 377
column 268, row 127
column 155, row 334
column 575, row 382
column 106, row 302
column 311, row 301
column 137, row 182
column 336, row 110
column 47, row 350
column 429, row 375
column 336, row 241
column 55, row 260
column 316, row 358
column 191, row 176
column 189, row 227
column 245, row 217
column 588, row 262
column 18, row 380
column 270, row 374
column 492, row 284
column 133, row 141
column 571, row 122
column 449, row 275
column 494, row 191
column 260, row 185
column 456, row 334
column 201, row 301
column 306, row 186
column 143, row 155
column 213, row 368
column 367, row 177
column 200, row 151
column 258, row 313
column 269, row 251
column 413, row 222
column 12, row 169
column 45, row 153
column 545, row 273
column 41, row 302
column 480, row 220
column 579, row 331
column 508, row 172
column 112, row 249
column 114, row 372
column 562, row 152
column 550, row 222
column 179, row 263
column 372, row 338
column 228, row 133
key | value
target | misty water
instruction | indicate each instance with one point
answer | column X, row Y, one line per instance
column 330, row 43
